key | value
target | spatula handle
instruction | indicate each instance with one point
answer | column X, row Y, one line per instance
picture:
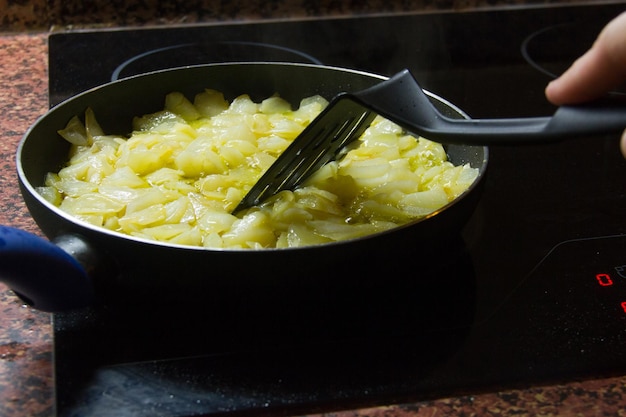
column 402, row 100
column 605, row 116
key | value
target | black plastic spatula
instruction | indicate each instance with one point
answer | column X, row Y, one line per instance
column 401, row 100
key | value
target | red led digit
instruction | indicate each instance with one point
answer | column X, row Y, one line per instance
column 604, row 280
column 623, row 304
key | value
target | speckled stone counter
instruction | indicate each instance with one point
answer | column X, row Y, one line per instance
column 26, row 386
column 26, row 342
column 42, row 14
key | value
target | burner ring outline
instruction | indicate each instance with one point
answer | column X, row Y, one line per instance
column 116, row 73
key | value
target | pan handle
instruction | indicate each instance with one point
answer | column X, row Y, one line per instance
column 45, row 275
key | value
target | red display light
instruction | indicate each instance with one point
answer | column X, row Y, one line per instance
column 604, row 280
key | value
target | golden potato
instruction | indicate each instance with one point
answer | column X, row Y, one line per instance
column 181, row 172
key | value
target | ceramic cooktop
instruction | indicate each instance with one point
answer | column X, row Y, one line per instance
column 531, row 291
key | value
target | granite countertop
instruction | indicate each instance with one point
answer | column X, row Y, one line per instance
column 26, row 337
column 42, row 14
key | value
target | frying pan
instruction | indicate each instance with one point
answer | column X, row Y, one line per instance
column 79, row 265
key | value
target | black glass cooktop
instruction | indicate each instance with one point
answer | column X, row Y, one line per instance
column 531, row 291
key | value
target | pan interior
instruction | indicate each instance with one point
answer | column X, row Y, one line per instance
column 42, row 150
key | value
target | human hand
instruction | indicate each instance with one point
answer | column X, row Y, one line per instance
column 595, row 73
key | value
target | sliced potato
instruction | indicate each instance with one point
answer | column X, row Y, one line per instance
column 184, row 168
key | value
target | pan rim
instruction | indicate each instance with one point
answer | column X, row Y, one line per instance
column 31, row 189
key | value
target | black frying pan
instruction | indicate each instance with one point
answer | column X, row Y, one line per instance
column 87, row 264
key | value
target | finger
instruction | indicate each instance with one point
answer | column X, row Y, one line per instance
column 598, row 71
column 588, row 78
column 623, row 144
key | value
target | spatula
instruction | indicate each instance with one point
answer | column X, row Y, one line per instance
column 401, row 100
